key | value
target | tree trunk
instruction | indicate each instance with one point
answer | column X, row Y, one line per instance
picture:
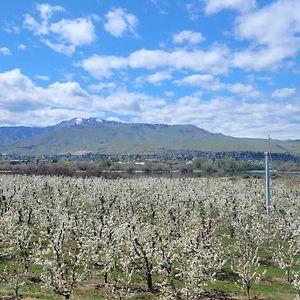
column 149, row 281
column 16, row 293
column 248, row 292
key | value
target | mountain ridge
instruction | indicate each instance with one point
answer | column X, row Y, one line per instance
column 113, row 137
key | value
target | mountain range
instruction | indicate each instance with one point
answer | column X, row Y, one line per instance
column 79, row 136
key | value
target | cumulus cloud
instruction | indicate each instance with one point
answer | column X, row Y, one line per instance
column 16, row 91
column 102, row 86
column 188, row 36
column 155, row 78
column 129, row 103
column 19, row 93
column 44, row 116
column 119, row 22
column 215, row 60
column 102, row 66
column 271, row 41
column 22, row 47
column 169, row 94
column 24, row 101
column 206, row 81
column 193, row 9
column 209, row 82
column 46, row 11
column 37, row 28
column 229, row 116
column 215, row 6
column 75, row 32
column 123, row 103
column 5, row 51
column 242, row 90
column 67, row 94
column 62, row 36
column 158, row 77
column 284, row 93
column 42, row 77
column 11, row 27
column 60, row 48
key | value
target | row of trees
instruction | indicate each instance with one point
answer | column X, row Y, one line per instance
column 99, row 168
column 175, row 235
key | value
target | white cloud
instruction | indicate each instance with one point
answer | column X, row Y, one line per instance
column 41, row 117
column 209, row 82
column 155, row 78
column 75, row 32
column 261, row 59
column 19, row 93
column 229, row 116
column 11, row 27
column 215, row 6
column 169, row 94
column 243, row 90
column 119, row 22
column 37, row 28
column 60, row 48
column 193, row 9
column 42, row 77
column 16, row 91
column 188, row 36
column 102, row 86
column 273, row 32
column 102, row 66
column 26, row 103
column 124, row 102
column 5, row 51
column 215, row 60
column 206, row 81
column 68, row 94
column 62, row 36
column 23, row 102
column 46, row 11
column 284, row 93
column 158, row 77
column 22, row 47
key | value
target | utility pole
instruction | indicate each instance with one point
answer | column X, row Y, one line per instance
column 267, row 171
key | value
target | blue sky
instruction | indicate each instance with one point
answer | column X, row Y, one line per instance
column 229, row 66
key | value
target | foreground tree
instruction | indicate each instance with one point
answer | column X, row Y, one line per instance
column 66, row 244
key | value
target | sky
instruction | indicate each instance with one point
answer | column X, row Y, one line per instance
column 229, row 66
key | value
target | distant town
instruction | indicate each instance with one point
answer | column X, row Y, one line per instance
column 181, row 162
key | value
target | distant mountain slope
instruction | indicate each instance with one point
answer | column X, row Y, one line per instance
column 10, row 135
column 94, row 135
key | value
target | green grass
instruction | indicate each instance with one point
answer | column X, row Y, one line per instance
column 29, row 290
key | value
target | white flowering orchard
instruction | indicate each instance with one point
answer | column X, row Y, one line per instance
column 166, row 238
